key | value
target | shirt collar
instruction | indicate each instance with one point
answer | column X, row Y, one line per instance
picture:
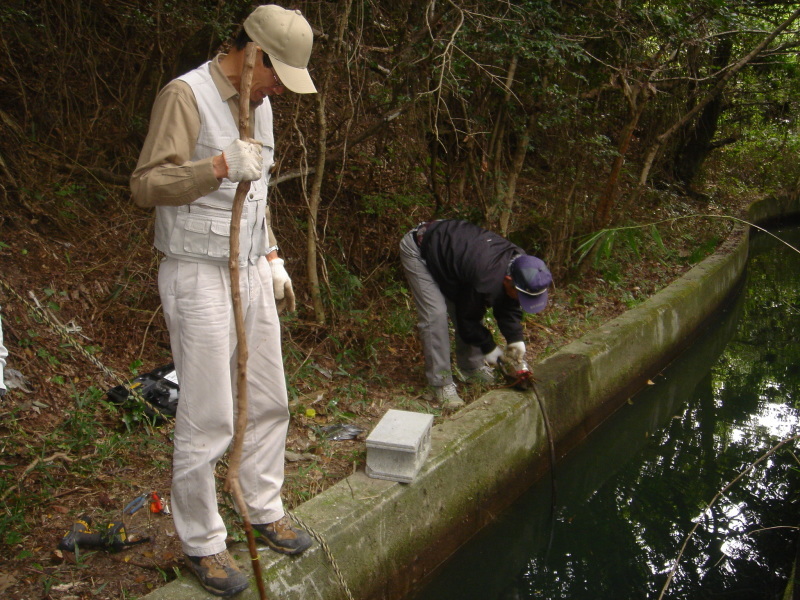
column 224, row 85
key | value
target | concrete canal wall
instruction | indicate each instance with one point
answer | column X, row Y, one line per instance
column 385, row 536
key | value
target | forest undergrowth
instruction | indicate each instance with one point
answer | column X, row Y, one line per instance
column 81, row 314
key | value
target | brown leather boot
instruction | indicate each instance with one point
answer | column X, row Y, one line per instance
column 284, row 538
column 218, row 573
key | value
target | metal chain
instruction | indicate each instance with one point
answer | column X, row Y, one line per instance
column 65, row 335
column 69, row 339
column 326, row 549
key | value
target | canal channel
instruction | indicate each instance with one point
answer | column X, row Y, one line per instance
column 690, row 490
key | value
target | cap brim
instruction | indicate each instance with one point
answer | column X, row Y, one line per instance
column 532, row 304
column 294, row 79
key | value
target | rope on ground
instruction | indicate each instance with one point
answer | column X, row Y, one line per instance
column 61, row 330
column 70, row 340
column 327, row 550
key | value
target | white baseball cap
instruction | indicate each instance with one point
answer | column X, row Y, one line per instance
column 286, row 37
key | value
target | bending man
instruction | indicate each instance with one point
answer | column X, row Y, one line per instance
column 457, row 268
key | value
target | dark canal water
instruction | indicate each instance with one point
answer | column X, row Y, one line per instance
column 627, row 499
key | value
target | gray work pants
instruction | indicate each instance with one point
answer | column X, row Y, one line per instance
column 433, row 309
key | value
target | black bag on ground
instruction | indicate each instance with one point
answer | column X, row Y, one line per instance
column 159, row 388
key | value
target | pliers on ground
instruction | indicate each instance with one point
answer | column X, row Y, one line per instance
column 151, row 498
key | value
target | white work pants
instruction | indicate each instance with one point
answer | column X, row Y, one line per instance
column 198, row 309
column 433, row 309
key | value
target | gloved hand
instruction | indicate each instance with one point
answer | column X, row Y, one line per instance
column 492, row 357
column 282, row 285
column 515, row 352
column 513, row 366
column 244, row 160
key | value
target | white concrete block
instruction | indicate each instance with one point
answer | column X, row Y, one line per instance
column 399, row 445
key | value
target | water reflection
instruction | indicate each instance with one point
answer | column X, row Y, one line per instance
column 627, row 499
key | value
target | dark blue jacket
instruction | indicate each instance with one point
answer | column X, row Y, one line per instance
column 469, row 264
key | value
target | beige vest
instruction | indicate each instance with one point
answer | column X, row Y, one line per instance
column 200, row 231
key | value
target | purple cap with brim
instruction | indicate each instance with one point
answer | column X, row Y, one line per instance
column 531, row 279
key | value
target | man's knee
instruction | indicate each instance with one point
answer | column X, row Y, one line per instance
column 435, row 316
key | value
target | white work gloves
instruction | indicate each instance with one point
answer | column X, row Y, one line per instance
column 282, row 285
column 244, row 160
column 515, row 352
column 514, row 368
column 492, row 357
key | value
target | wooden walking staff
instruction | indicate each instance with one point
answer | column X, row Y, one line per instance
column 232, row 482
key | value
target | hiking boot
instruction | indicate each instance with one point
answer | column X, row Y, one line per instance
column 447, row 396
column 218, row 573
column 483, row 374
column 284, row 538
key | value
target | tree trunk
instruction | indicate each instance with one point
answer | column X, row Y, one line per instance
column 494, row 151
column 312, row 241
column 697, row 143
column 513, row 175
column 713, row 93
column 637, row 101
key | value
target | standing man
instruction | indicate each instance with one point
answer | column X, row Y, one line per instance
column 189, row 168
column 457, row 268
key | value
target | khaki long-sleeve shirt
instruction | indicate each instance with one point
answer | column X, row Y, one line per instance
column 165, row 174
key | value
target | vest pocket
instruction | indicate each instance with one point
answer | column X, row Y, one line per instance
column 219, row 241
column 204, row 236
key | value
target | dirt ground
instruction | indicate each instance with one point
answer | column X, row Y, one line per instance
column 65, row 452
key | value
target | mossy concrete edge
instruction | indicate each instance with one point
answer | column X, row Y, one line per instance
column 385, row 535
